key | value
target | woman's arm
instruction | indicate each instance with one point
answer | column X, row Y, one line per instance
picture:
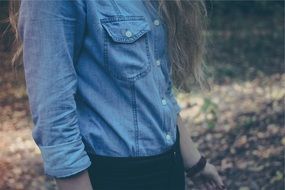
column 209, row 176
column 52, row 33
column 80, row 181
column 189, row 152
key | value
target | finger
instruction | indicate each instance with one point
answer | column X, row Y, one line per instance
column 220, row 187
column 214, row 185
column 218, row 180
column 206, row 182
column 209, row 186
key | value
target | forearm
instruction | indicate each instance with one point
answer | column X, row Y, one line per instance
column 80, row 181
column 190, row 153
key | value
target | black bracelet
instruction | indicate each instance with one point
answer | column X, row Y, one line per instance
column 190, row 172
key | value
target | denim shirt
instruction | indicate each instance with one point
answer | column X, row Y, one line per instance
column 98, row 80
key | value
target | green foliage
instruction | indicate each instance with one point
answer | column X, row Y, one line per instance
column 209, row 110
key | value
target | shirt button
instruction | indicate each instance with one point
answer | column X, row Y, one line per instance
column 168, row 137
column 156, row 22
column 157, row 62
column 163, row 101
column 128, row 33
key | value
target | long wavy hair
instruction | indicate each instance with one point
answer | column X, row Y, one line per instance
column 186, row 22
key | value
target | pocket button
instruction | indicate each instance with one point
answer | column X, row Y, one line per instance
column 128, row 33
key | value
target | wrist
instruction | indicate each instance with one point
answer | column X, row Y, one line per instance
column 196, row 168
column 80, row 180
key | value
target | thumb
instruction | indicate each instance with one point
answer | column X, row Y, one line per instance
column 217, row 178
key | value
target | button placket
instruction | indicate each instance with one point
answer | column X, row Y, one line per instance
column 157, row 62
column 163, row 101
column 168, row 137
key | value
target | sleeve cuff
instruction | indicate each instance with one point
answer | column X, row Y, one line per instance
column 65, row 159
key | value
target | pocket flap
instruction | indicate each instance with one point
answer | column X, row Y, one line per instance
column 125, row 29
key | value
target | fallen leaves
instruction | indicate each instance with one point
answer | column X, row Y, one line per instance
column 248, row 138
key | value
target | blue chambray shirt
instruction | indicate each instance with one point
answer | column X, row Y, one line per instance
column 98, row 79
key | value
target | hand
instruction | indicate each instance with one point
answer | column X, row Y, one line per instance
column 209, row 178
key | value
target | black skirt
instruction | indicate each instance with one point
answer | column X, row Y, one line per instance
column 164, row 171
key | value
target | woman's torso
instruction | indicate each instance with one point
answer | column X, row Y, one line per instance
column 124, row 100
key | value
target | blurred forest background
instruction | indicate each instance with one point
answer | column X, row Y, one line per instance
column 238, row 125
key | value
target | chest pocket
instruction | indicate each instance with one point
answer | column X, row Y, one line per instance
column 126, row 48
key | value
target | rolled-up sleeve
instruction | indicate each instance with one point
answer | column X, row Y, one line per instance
column 52, row 34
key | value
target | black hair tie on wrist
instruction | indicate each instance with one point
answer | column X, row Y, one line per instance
column 190, row 172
